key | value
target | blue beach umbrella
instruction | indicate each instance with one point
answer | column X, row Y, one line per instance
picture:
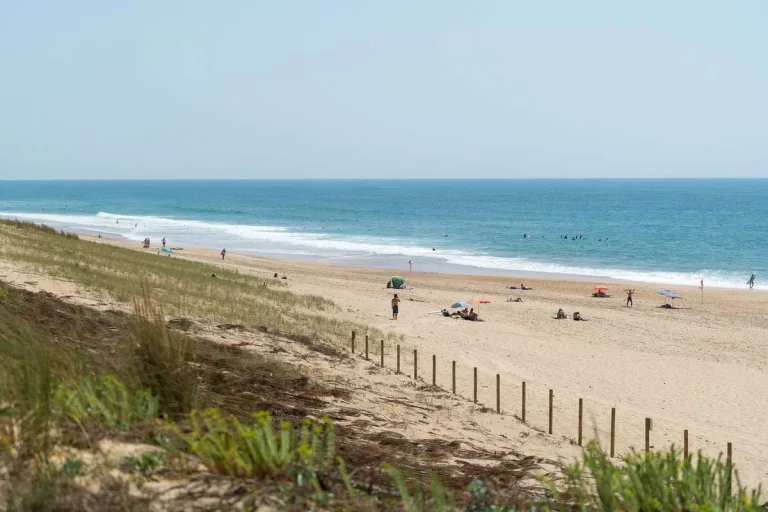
column 460, row 304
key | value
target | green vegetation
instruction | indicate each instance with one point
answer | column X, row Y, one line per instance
column 254, row 449
column 145, row 464
column 105, row 401
column 657, row 481
column 184, row 288
column 415, row 499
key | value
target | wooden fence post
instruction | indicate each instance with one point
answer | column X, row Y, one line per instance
column 729, row 462
column 434, row 370
column 398, row 359
column 551, row 396
column 382, row 353
column 498, row 394
column 475, row 388
column 613, row 430
column 366, row 347
column 415, row 365
column 523, row 415
column 581, row 418
column 647, row 435
column 685, row 444
column 453, row 376
column 353, row 342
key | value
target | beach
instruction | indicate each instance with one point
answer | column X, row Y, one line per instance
column 699, row 369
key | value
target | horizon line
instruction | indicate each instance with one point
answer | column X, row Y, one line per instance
column 477, row 178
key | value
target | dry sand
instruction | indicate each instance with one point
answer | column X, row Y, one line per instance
column 699, row 369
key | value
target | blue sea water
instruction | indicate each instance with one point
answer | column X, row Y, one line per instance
column 667, row 231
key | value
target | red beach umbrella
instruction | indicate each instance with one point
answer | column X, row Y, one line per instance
column 478, row 302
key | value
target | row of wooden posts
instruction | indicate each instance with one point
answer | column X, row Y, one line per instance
column 648, row 421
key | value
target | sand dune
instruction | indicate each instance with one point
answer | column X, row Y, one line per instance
column 700, row 369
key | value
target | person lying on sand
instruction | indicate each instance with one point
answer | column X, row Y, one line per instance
column 522, row 287
column 561, row 314
column 511, row 287
column 600, row 294
column 514, row 300
column 471, row 316
column 577, row 316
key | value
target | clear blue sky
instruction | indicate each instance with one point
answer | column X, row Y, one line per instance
column 337, row 89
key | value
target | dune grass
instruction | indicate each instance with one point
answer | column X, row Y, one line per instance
column 184, row 288
column 108, row 373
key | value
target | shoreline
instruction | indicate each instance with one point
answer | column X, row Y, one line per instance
column 453, row 263
column 460, row 271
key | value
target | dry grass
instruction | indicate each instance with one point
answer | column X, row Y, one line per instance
column 184, row 288
column 49, row 342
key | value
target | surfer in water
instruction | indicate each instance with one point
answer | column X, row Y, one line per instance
column 751, row 281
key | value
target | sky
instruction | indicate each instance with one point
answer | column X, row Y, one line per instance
column 351, row 89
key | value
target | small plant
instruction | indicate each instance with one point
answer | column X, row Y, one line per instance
column 72, row 467
column 441, row 500
column 145, row 464
column 105, row 401
column 229, row 447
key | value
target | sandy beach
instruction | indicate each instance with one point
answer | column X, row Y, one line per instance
column 700, row 369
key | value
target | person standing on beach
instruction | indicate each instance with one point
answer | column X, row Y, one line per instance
column 751, row 281
column 629, row 298
column 395, row 306
column 410, row 265
column 163, row 241
column 223, row 253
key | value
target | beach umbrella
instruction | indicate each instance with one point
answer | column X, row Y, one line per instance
column 460, row 305
column 601, row 288
column 669, row 294
column 478, row 302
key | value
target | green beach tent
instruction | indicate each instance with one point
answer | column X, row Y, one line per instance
column 398, row 283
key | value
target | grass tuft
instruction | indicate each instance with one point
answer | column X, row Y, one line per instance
column 164, row 360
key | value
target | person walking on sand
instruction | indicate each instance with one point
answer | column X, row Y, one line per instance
column 751, row 281
column 629, row 298
column 223, row 253
column 395, row 308
column 163, row 241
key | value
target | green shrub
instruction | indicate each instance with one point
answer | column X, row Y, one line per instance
column 105, row 401
column 657, row 481
column 227, row 446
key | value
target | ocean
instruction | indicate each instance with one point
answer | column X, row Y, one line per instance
column 667, row 231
